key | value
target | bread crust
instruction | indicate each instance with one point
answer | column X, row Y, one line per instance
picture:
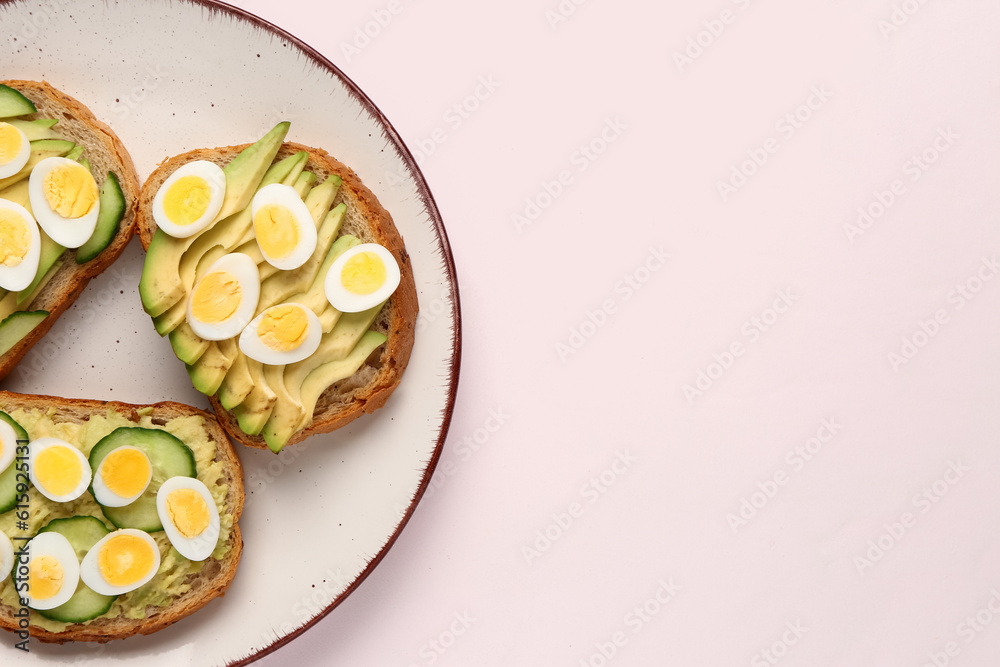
column 367, row 219
column 105, row 152
column 215, row 577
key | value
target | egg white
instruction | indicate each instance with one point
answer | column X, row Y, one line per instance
column 57, row 546
column 253, row 347
column 213, row 176
column 286, row 197
column 196, row 548
column 68, row 232
column 36, row 447
column 15, row 165
column 90, row 570
column 6, row 555
column 16, row 278
column 348, row 302
column 244, row 269
column 106, row 496
column 8, row 443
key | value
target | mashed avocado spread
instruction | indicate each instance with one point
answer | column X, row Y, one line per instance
column 171, row 579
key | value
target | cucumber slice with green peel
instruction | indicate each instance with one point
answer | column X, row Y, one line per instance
column 112, row 203
column 18, row 325
column 8, row 478
column 13, row 103
column 83, row 532
column 169, row 457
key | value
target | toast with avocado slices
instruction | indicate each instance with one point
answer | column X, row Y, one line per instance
column 68, row 191
column 156, row 580
column 241, row 246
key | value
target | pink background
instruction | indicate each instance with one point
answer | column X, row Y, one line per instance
column 828, row 495
column 587, row 509
column 730, row 308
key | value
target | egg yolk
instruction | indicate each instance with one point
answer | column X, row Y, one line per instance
column 283, row 328
column 58, row 470
column 45, row 577
column 363, row 274
column 216, row 297
column 188, row 512
column 125, row 472
column 186, row 200
column 125, row 559
column 10, row 142
column 276, row 229
column 14, row 238
column 70, row 190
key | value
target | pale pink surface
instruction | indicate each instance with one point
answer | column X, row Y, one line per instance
column 835, row 304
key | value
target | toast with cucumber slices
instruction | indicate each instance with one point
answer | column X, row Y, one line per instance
column 61, row 228
column 242, row 246
column 184, row 448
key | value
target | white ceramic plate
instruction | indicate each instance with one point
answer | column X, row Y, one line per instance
column 169, row 76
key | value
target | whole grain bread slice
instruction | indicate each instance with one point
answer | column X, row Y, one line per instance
column 215, row 576
column 106, row 152
column 369, row 388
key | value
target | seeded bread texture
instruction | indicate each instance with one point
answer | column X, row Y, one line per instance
column 369, row 388
column 105, row 152
column 215, row 576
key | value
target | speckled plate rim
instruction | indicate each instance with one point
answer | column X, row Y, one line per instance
column 444, row 248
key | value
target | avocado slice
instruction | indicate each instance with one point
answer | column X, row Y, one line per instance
column 210, row 369
column 256, row 408
column 36, row 129
column 8, row 304
column 237, row 385
column 41, row 149
column 51, row 252
column 187, row 345
column 160, row 285
column 283, row 423
column 18, row 325
column 13, row 103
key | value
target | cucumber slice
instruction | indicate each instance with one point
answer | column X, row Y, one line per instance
column 13, row 103
column 8, row 479
column 18, row 325
column 169, row 457
column 112, row 203
column 83, row 532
